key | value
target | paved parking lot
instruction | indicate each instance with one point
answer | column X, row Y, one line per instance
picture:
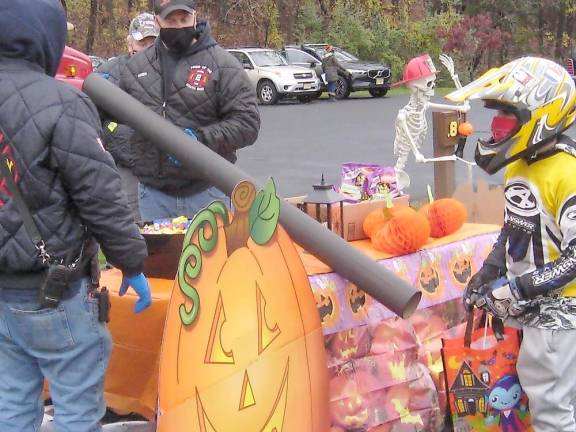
column 299, row 142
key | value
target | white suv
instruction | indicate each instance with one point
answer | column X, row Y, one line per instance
column 273, row 78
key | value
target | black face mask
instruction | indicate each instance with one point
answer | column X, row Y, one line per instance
column 178, row 39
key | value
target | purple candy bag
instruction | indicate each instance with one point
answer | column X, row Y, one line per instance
column 362, row 181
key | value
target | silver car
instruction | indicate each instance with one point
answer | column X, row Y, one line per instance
column 273, row 78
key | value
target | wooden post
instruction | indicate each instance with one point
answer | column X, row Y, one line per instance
column 445, row 138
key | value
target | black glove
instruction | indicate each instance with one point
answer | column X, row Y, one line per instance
column 499, row 298
column 472, row 292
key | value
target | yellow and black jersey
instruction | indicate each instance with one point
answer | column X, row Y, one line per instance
column 540, row 225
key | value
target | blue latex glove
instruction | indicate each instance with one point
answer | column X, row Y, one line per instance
column 140, row 284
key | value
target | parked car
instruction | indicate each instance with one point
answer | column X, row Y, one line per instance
column 74, row 67
column 273, row 78
column 297, row 57
column 374, row 77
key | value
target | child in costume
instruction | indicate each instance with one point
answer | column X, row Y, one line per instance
column 530, row 274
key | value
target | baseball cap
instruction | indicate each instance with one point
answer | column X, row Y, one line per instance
column 142, row 27
column 163, row 8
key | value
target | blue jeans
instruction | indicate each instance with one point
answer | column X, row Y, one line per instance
column 67, row 345
column 331, row 87
column 155, row 204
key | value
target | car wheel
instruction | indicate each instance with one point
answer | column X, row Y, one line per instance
column 342, row 88
column 378, row 93
column 267, row 93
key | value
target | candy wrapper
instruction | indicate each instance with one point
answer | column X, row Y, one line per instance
column 361, row 182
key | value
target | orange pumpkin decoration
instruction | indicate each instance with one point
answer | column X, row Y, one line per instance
column 243, row 348
column 376, row 218
column 465, row 129
column 405, row 232
column 351, row 408
column 446, row 216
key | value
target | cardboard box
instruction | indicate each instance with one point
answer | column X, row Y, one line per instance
column 353, row 214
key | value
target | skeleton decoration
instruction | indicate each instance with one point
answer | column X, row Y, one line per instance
column 411, row 126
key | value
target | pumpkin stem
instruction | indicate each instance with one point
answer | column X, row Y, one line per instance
column 430, row 196
column 238, row 231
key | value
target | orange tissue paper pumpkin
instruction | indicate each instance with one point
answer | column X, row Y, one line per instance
column 405, row 232
column 376, row 218
column 243, row 348
column 446, row 216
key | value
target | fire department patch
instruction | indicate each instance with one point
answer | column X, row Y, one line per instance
column 198, row 77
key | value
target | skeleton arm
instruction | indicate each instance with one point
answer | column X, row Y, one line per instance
column 447, row 61
column 465, row 107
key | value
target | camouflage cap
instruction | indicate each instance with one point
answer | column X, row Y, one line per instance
column 143, row 26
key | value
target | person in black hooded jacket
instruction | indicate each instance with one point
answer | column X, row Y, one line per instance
column 197, row 85
column 49, row 138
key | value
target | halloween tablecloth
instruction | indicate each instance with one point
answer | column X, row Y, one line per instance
column 385, row 372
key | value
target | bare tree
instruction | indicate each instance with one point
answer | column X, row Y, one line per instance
column 92, row 25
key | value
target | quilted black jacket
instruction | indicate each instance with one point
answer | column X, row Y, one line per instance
column 207, row 91
column 116, row 136
column 51, row 135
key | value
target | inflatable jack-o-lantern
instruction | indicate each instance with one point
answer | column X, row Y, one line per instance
column 243, row 346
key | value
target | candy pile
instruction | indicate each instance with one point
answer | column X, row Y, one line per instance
column 178, row 225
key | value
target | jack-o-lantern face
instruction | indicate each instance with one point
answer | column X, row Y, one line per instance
column 461, row 267
column 325, row 294
column 243, row 345
column 325, row 306
column 350, row 344
column 462, row 270
column 357, row 300
column 429, row 279
column 350, row 408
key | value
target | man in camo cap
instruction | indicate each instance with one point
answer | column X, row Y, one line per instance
column 142, row 33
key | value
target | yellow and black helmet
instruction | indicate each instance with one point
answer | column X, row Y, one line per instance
column 538, row 92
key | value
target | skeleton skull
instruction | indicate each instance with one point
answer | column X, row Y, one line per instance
column 425, row 85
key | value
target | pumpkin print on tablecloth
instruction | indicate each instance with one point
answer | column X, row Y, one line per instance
column 461, row 266
column 430, row 279
column 243, row 346
column 357, row 301
column 326, row 296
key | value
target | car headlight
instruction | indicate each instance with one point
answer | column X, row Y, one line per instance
column 357, row 71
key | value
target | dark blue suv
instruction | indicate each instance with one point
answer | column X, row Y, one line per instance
column 374, row 77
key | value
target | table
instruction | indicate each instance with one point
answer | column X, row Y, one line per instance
column 383, row 370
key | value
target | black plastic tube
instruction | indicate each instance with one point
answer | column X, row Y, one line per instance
column 383, row 285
